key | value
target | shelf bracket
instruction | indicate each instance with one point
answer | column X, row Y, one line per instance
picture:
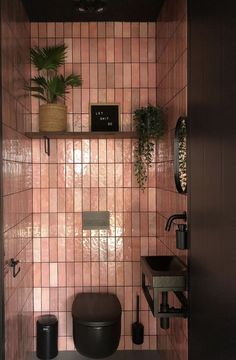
column 47, row 145
column 165, row 312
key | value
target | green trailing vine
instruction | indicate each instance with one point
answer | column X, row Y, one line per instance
column 150, row 125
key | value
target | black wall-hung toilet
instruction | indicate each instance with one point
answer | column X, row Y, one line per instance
column 96, row 324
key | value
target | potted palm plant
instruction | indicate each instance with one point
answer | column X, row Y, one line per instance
column 51, row 87
column 150, row 125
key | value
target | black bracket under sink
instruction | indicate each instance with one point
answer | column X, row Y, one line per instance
column 163, row 311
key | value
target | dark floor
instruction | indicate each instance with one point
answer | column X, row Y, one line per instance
column 119, row 355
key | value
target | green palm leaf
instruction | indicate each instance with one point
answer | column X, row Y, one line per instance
column 40, row 81
column 73, row 80
column 49, row 85
column 56, row 88
column 48, row 58
column 41, row 97
column 35, row 89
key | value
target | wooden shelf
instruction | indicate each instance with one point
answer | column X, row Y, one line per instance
column 83, row 135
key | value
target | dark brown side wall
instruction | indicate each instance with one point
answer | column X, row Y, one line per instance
column 212, row 205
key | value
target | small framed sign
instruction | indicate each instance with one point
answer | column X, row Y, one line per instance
column 104, row 117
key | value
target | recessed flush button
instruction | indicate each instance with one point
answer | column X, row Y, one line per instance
column 94, row 220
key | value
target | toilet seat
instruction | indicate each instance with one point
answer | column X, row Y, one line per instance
column 96, row 309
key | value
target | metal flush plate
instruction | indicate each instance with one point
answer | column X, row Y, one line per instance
column 95, row 220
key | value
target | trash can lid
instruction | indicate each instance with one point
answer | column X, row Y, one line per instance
column 47, row 319
column 96, row 309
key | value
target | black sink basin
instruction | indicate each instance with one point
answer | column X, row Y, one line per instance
column 164, row 271
column 165, row 263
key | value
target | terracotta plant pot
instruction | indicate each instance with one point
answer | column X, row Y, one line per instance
column 52, row 117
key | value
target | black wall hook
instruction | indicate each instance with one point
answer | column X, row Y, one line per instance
column 47, row 145
column 13, row 263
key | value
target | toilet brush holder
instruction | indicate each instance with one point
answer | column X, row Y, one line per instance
column 137, row 327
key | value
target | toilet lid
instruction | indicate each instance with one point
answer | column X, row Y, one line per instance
column 96, row 309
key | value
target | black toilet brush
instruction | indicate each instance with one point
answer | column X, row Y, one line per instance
column 137, row 327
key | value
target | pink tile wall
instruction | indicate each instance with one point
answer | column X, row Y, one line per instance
column 172, row 94
column 17, row 180
column 118, row 64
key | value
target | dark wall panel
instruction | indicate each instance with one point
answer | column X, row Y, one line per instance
column 2, row 355
column 212, row 200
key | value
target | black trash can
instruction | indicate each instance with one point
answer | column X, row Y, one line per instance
column 47, row 335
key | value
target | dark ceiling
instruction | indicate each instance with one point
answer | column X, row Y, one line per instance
column 116, row 10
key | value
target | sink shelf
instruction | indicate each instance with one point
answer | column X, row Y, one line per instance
column 163, row 274
column 167, row 273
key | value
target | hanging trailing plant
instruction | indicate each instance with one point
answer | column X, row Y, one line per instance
column 150, row 126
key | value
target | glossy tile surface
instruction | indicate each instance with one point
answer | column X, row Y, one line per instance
column 172, row 94
column 118, row 64
column 131, row 64
column 17, row 180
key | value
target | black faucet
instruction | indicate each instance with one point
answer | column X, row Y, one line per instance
column 182, row 216
column 181, row 232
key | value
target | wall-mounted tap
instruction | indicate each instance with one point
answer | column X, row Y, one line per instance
column 181, row 232
column 182, row 216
